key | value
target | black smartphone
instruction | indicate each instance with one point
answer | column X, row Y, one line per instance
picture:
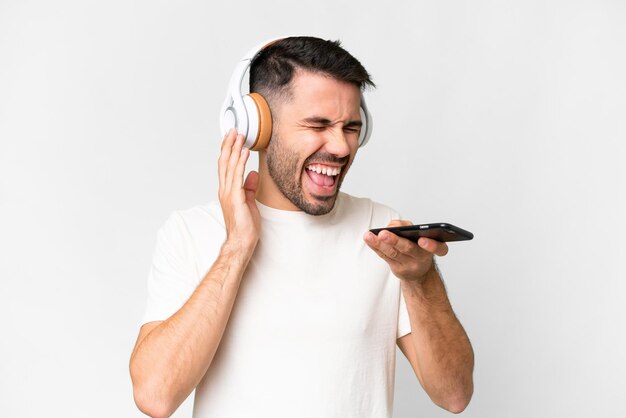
column 441, row 232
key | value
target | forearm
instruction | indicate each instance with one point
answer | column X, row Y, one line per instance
column 172, row 358
column 443, row 350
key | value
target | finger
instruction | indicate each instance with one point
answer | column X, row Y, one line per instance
column 372, row 241
column 399, row 222
column 250, row 185
column 383, row 256
column 395, row 260
column 222, row 162
column 230, row 135
column 411, row 249
column 432, row 246
column 244, row 153
column 405, row 246
column 389, row 251
column 235, row 156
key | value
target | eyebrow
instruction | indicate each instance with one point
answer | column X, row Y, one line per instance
column 318, row 120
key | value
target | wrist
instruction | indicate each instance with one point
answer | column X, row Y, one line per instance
column 429, row 288
column 238, row 249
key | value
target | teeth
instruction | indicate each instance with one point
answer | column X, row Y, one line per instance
column 326, row 170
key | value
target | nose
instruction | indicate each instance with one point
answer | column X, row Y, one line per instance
column 337, row 142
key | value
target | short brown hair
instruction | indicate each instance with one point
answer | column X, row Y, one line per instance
column 273, row 68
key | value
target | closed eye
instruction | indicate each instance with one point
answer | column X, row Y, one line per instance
column 319, row 124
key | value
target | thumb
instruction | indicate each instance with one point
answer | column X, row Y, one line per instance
column 399, row 222
column 251, row 184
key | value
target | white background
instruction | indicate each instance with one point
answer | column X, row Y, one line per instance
column 505, row 118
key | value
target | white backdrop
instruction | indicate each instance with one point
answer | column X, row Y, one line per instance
column 506, row 118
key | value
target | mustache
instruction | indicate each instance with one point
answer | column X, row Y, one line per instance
column 325, row 158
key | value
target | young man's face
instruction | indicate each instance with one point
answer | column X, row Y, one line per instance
column 315, row 141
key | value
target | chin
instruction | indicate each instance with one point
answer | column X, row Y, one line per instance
column 321, row 205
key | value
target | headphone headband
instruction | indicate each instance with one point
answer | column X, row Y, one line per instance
column 250, row 115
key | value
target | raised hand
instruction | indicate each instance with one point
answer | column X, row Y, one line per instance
column 237, row 198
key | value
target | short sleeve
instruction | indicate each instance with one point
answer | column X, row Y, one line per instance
column 173, row 276
column 404, row 325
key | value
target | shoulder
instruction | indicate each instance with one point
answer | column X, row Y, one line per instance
column 208, row 213
column 183, row 224
column 376, row 211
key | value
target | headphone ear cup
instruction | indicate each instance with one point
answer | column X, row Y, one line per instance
column 364, row 127
column 263, row 127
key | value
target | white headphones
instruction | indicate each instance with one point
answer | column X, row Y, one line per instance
column 250, row 114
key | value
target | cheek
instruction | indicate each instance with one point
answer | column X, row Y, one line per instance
column 309, row 141
column 307, row 144
column 353, row 151
column 296, row 136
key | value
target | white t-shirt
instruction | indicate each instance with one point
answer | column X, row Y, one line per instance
column 314, row 326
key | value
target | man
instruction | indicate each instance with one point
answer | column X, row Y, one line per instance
column 270, row 303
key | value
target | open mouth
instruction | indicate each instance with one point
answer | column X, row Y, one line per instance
column 323, row 176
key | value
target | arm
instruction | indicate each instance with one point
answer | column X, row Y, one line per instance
column 437, row 347
column 171, row 357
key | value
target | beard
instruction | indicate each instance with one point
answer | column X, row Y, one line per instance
column 282, row 165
